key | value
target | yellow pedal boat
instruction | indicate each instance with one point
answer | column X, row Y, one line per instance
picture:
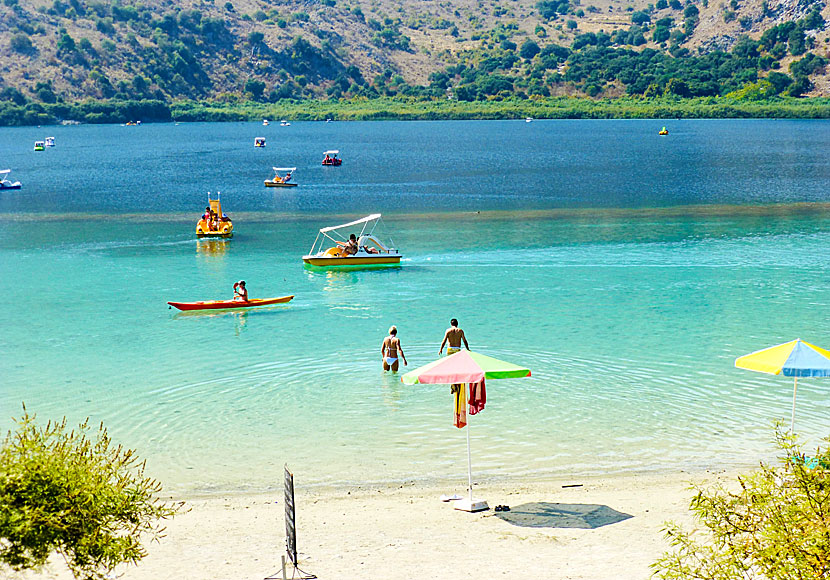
column 281, row 180
column 214, row 223
column 332, row 247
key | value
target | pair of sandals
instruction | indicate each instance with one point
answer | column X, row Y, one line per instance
column 502, row 508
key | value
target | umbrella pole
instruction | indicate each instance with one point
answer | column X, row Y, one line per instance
column 469, row 464
column 470, row 504
column 792, row 420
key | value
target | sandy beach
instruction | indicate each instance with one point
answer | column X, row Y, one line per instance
column 603, row 528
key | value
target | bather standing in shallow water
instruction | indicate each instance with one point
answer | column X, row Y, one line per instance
column 453, row 336
column 389, row 351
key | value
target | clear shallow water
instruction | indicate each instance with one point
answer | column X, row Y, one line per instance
column 628, row 304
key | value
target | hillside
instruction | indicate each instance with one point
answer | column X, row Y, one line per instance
column 69, row 50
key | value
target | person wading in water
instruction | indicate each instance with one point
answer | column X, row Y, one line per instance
column 454, row 336
column 389, row 351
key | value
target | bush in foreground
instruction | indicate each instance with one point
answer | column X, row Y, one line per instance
column 74, row 493
column 776, row 527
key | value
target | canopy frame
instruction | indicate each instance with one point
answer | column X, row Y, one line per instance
column 333, row 235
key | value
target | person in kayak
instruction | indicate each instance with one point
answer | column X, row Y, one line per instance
column 389, row 351
column 240, row 292
column 454, row 336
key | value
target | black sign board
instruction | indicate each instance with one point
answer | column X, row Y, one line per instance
column 290, row 528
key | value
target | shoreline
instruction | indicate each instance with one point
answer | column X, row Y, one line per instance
column 106, row 111
column 608, row 526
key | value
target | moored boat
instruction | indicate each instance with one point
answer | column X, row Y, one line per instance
column 6, row 183
column 228, row 304
column 214, row 223
column 281, row 180
column 332, row 247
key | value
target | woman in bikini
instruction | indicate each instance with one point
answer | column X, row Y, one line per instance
column 389, row 351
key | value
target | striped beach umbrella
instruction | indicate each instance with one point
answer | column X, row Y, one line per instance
column 791, row 359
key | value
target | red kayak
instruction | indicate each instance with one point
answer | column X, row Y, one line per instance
column 221, row 304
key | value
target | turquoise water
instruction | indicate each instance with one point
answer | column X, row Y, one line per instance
column 627, row 273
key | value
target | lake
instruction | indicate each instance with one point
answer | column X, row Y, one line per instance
column 625, row 269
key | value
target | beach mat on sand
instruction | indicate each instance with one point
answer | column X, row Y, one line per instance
column 562, row 515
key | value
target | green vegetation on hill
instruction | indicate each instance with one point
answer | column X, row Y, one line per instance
column 123, row 60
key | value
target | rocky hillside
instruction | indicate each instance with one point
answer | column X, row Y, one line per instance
column 230, row 49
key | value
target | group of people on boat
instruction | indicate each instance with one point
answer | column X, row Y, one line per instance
column 212, row 219
column 391, row 346
column 350, row 247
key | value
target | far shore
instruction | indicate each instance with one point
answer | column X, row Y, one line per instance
column 103, row 111
column 589, row 528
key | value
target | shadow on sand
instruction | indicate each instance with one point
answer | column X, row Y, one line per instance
column 562, row 515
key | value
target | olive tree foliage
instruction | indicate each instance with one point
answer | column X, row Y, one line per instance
column 74, row 493
column 775, row 525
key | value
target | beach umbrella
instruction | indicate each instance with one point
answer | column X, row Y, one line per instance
column 791, row 359
column 466, row 368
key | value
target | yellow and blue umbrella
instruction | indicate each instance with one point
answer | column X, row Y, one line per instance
column 791, row 359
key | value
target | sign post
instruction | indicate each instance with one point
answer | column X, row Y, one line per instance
column 290, row 521
column 291, row 533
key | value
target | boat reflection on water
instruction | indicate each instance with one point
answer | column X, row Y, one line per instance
column 240, row 317
column 212, row 247
column 336, row 280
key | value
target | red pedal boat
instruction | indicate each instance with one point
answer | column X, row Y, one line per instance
column 223, row 304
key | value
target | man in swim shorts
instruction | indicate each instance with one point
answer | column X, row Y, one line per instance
column 454, row 336
column 389, row 351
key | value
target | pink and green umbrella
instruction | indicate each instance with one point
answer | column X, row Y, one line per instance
column 465, row 367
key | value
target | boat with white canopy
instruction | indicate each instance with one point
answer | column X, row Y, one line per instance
column 281, row 180
column 332, row 246
column 331, row 158
column 6, row 183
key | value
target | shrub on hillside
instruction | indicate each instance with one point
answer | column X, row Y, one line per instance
column 21, row 43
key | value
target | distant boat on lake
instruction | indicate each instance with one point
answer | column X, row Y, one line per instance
column 5, row 183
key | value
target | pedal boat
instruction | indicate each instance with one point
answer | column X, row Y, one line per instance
column 663, row 131
column 281, row 181
column 259, row 142
column 228, row 304
column 327, row 249
column 40, row 145
column 7, row 183
column 224, row 225
column 331, row 158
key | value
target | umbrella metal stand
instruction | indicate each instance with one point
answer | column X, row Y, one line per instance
column 469, row 504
